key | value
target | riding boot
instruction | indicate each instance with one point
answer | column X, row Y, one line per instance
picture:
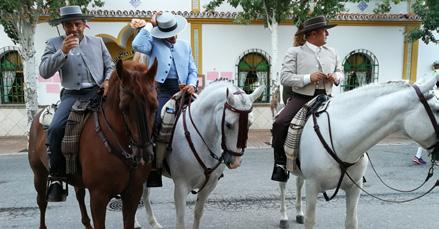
column 57, row 181
column 279, row 170
column 155, row 176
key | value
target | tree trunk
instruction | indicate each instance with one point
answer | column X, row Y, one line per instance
column 30, row 75
column 274, row 52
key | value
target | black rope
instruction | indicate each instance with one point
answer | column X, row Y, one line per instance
column 429, row 175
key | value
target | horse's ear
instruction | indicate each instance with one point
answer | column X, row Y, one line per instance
column 429, row 82
column 150, row 74
column 256, row 93
column 119, row 69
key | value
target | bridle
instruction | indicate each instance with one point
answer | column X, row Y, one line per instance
column 241, row 142
column 430, row 114
column 137, row 149
column 345, row 165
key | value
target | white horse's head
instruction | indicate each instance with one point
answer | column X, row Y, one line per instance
column 418, row 124
column 232, row 117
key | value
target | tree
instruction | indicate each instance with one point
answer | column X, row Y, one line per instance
column 426, row 10
column 19, row 20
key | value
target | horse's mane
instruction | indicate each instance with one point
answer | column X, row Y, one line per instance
column 218, row 84
column 373, row 91
column 136, row 77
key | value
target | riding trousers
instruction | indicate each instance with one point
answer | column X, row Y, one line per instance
column 56, row 129
column 282, row 122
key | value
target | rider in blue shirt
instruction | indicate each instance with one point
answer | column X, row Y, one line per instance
column 176, row 68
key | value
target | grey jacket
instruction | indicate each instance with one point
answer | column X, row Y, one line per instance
column 94, row 54
column 301, row 61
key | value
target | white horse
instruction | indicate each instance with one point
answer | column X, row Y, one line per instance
column 359, row 119
column 221, row 114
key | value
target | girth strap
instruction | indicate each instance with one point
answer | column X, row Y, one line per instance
column 343, row 165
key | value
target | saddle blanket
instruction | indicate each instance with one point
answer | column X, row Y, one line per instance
column 292, row 143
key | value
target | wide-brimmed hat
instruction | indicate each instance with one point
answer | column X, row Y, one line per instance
column 168, row 25
column 69, row 13
column 312, row 24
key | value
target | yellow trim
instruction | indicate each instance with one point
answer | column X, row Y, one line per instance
column 414, row 61
column 199, row 45
column 405, row 60
column 227, row 21
column 194, row 9
column 118, row 40
column 411, row 48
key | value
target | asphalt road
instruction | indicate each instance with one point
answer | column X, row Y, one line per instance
column 244, row 198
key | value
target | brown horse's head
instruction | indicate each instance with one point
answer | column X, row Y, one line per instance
column 133, row 95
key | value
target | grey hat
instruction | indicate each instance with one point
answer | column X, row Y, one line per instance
column 312, row 24
column 69, row 13
column 168, row 25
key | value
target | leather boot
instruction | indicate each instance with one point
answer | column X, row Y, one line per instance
column 279, row 170
column 154, row 179
column 56, row 185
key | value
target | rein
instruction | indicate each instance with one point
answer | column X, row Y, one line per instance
column 136, row 151
column 241, row 143
column 344, row 165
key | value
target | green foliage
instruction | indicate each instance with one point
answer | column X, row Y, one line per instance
column 300, row 10
column 428, row 11
column 14, row 14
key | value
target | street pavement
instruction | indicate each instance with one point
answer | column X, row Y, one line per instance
column 244, row 198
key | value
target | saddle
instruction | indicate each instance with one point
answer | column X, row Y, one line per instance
column 79, row 114
column 316, row 105
column 169, row 114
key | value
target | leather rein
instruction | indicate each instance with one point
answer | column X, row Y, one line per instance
column 135, row 153
column 241, row 143
column 345, row 165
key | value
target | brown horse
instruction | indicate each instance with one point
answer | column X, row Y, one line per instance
column 119, row 166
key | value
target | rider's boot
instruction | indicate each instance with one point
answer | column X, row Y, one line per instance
column 155, row 176
column 57, row 181
column 279, row 170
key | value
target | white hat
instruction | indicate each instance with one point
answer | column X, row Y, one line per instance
column 168, row 25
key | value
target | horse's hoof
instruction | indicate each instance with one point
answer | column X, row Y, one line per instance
column 284, row 224
column 299, row 219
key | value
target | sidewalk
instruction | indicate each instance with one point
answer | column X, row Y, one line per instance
column 257, row 139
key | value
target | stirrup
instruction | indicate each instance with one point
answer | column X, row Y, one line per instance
column 57, row 190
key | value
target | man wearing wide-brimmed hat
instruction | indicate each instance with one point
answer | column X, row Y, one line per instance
column 309, row 70
column 176, row 68
column 84, row 65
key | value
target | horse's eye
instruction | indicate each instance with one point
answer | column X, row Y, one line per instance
column 229, row 125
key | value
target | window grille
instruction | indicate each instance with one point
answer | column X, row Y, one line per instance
column 360, row 68
column 253, row 70
column 11, row 77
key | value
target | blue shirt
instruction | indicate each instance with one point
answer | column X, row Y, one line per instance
column 179, row 56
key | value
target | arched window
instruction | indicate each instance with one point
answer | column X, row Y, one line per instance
column 360, row 68
column 11, row 77
column 253, row 71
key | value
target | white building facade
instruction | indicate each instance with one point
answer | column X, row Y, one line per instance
column 371, row 46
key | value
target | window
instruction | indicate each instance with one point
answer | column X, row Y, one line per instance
column 253, row 71
column 11, row 77
column 360, row 68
